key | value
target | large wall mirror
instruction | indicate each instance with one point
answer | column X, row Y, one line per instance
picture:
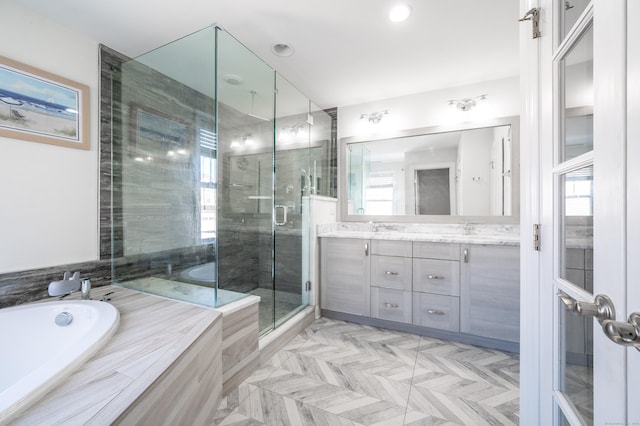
column 452, row 174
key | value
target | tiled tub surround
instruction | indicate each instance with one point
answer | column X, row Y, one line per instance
column 166, row 364
column 458, row 282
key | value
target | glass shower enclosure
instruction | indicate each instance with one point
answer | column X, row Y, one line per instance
column 215, row 157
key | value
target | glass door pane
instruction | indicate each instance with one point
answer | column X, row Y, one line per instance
column 576, row 69
column 576, row 271
column 574, row 172
column 245, row 117
column 570, row 11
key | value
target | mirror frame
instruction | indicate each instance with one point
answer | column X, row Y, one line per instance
column 514, row 121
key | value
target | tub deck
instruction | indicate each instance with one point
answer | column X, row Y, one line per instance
column 162, row 349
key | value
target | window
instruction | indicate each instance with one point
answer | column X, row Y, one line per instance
column 208, row 183
column 579, row 193
column 379, row 194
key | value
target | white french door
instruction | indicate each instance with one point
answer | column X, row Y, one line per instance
column 588, row 114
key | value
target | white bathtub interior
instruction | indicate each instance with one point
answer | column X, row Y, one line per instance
column 43, row 353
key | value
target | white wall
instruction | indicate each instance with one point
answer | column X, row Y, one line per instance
column 48, row 194
column 430, row 108
column 474, row 157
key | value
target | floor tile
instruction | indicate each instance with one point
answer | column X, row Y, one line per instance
column 337, row 373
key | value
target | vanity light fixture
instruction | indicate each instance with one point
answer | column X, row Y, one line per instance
column 467, row 104
column 288, row 134
column 294, row 129
column 374, row 117
column 400, row 12
column 243, row 142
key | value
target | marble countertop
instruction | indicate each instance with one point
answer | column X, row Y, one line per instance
column 152, row 334
column 427, row 237
column 437, row 233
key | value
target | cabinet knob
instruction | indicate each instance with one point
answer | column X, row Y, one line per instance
column 435, row 277
column 434, row 312
column 391, row 305
column 391, row 273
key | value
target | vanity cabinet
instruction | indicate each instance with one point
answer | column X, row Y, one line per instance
column 466, row 292
column 345, row 271
column 490, row 291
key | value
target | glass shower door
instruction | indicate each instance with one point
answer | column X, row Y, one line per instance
column 294, row 182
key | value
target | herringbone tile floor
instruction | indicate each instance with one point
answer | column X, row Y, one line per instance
column 337, row 373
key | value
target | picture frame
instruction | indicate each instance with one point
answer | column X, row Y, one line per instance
column 159, row 137
column 39, row 106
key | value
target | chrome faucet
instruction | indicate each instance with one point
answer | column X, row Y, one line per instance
column 467, row 228
column 69, row 284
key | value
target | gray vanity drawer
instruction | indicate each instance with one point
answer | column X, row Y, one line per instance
column 436, row 311
column 436, row 276
column 391, row 272
column 391, row 248
column 391, row 305
column 447, row 251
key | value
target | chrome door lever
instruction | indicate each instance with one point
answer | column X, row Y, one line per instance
column 601, row 309
column 624, row 333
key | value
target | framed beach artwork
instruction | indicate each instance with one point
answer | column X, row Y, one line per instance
column 39, row 106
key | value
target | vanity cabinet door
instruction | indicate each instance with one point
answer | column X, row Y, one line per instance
column 490, row 291
column 344, row 275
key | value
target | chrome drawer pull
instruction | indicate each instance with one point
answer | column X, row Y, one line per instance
column 391, row 305
column 435, row 277
column 391, row 273
column 434, row 312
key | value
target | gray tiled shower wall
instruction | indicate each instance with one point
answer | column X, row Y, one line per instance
column 248, row 252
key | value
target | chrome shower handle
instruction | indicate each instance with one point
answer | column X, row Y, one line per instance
column 284, row 215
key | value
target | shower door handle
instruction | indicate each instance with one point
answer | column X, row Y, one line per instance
column 284, row 215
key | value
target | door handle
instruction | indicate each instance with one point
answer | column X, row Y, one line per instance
column 602, row 309
column 366, row 249
column 624, row 333
column 284, row 215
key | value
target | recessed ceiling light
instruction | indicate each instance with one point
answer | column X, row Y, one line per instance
column 232, row 79
column 400, row 12
column 282, row 49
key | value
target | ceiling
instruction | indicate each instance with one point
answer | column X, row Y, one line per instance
column 346, row 51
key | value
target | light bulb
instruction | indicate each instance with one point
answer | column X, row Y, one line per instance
column 399, row 12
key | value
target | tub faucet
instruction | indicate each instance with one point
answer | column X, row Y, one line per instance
column 69, row 284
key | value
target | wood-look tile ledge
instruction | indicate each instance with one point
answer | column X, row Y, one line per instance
column 153, row 333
